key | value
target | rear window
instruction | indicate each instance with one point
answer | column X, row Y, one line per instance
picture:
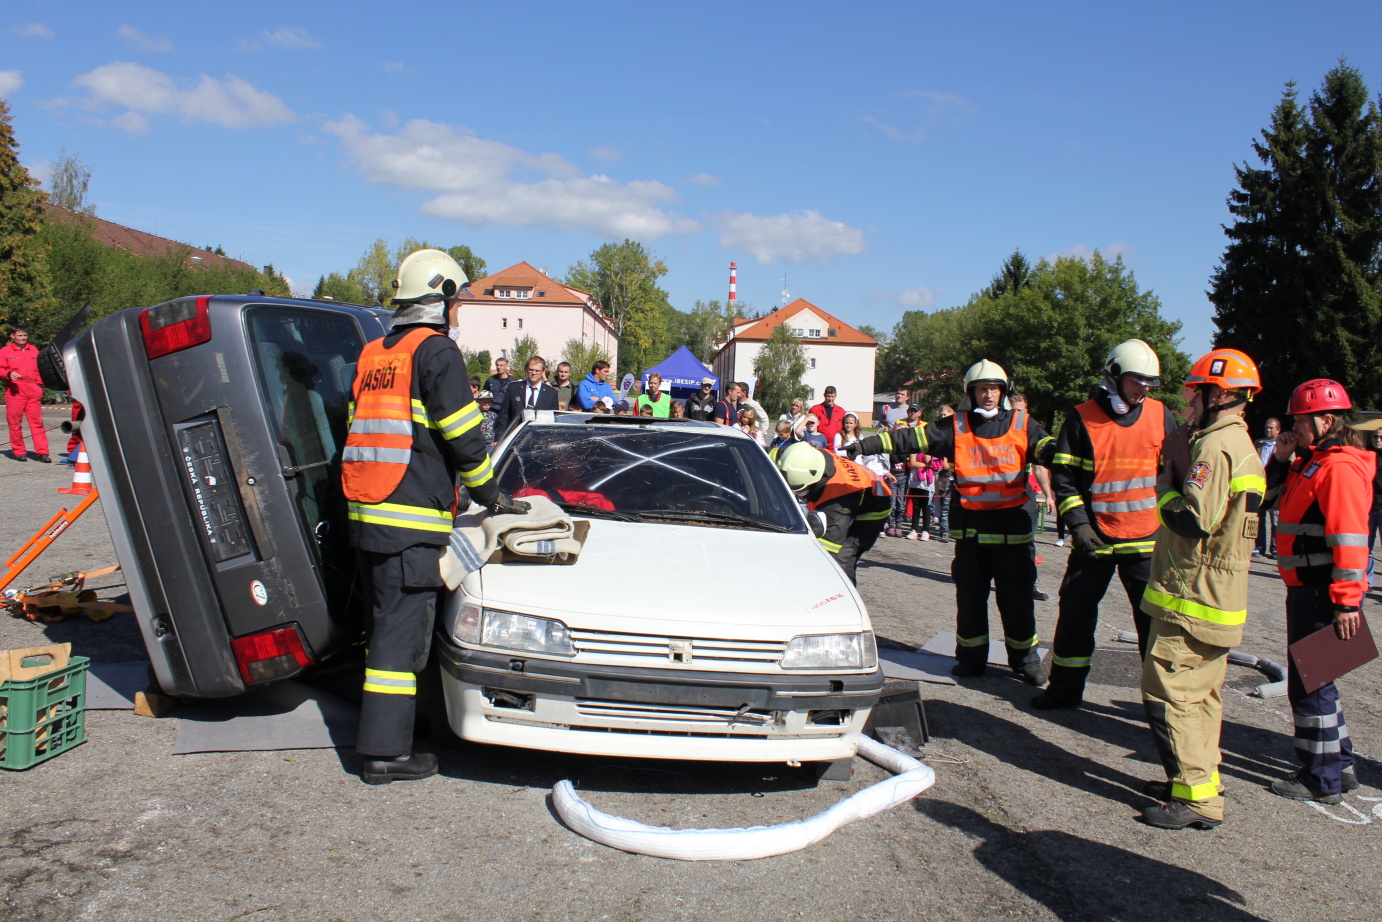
column 651, row 473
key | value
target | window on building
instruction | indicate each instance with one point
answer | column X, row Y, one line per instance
column 520, row 323
column 798, row 331
column 504, row 323
column 815, row 334
column 813, row 362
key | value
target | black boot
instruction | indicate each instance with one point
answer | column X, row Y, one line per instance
column 969, row 670
column 1051, row 700
column 1175, row 814
column 404, row 768
column 1031, row 670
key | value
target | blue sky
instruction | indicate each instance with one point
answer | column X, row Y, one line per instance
column 883, row 156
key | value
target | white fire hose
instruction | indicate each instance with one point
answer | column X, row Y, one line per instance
column 910, row 779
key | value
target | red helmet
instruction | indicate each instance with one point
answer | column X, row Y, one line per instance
column 1228, row 368
column 1319, row 395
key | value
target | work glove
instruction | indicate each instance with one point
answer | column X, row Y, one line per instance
column 853, row 450
column 507, row 505
column 1086, row 541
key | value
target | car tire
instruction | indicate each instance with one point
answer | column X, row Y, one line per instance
column 51, row 370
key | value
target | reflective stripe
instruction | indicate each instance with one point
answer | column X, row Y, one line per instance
column 987, row 478
column 1299, row 528
column 830, row 546
column 1324, row 721
column 382, row 427
column 1068, row 504
column 1116, row 486
column 980, row 641
column 390, row 683
column 986, row 497
column 1071, row 662
column 1021, row 644
column 1194, row 609
column 1248, row 483
column 382, row 455
column 1318, row 746
column 478, row 474
column 887, row 441
column 998, row 539
column 1353, row 576
column 420, row 414
column 1304, row 560
column 1126, row 547
column 1136, row 505
column 1346, row 539
column 418, row 517
column 460, row 422
column 1196, row 791
column 873, row 516
column 1166, row 498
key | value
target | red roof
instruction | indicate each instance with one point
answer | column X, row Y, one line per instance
column 836, row 331
column 543, row 290
column 138, row 242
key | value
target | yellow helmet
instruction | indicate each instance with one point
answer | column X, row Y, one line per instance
column 802, row 465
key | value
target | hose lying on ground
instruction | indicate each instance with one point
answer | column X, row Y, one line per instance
column 759, row 841
column 1277, row 673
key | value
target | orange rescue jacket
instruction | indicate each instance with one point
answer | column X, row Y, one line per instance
column 1322, row 522
column 1123, row 495
column 379, row 445
column 991, row 473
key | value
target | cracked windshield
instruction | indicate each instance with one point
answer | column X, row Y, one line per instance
column 649, row 475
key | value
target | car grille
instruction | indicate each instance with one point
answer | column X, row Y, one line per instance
column 616, row 647
column 625, row 710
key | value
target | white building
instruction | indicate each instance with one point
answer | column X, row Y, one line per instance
column 520, row 301
column 836, row 354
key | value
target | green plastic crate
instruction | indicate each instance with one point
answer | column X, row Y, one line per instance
column 44, row 716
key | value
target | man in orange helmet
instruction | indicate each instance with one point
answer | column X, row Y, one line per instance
column 1197, row 596
column 1322, row 535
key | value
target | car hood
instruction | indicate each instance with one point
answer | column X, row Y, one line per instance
column 690, row 579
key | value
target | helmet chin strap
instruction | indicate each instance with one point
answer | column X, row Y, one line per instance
column 1211, row 415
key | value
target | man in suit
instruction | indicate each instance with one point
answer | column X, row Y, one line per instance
column 533, row 393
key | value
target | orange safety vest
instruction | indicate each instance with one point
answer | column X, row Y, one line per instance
column 379, row 445
column 991, row 473
column 850, row 477
column 1310, row 535
column 1123, row 495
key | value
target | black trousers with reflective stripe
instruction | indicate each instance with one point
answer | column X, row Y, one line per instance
column 1322, row 742
column 1085, row 584
column 401, row 591
column 1008, row 568
column 862, row 536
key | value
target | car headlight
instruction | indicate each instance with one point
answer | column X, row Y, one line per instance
column 512, row 631
column 831, row 651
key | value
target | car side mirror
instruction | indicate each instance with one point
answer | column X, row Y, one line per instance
column 817, row 522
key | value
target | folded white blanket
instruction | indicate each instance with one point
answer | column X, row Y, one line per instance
column 544, row 534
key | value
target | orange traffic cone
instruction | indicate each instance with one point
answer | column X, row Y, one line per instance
column 81, row 475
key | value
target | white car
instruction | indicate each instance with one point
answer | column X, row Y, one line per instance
column 702, row 619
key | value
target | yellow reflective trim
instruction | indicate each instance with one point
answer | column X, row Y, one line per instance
column 383, row 674
column 873, row 516
column 480, row 473
column 1195, row 609
column 1071, row 662
column 1042, row 443
column 830, row 546
column 460, row 422
column 1061, row 457
column 1248, row 483
column 1127, row 547
column 1021, row 644
column 1196, row 791
column 1068, row 504
column 390, row 689
column 887, row 441
column 980, row 641
column 1166, row 498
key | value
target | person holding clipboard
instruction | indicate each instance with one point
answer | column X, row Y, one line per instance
column 1325, row 478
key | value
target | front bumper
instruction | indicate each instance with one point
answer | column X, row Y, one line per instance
column 513, row 700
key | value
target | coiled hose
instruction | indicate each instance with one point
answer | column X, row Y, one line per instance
column 911, row 778
column 1274, row 671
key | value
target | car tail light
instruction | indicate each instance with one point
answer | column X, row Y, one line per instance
column 177, row 325
column 270, row 655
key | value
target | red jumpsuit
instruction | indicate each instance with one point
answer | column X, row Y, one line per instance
column 24, row 397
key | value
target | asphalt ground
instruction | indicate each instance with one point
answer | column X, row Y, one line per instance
column 1032, row 816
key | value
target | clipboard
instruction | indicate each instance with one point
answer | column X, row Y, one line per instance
column 1322, row 657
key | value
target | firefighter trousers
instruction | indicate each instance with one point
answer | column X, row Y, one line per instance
column 1008, row 568
column 401, row 595
column 1323, row 745
column 1085, row 584
column 862, row 536
column 1182, row 683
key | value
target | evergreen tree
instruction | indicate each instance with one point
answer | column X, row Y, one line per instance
column 1298, row 286
column 1015, row 275
column 25, row 293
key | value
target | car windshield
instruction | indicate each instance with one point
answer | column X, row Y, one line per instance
column 692, row 476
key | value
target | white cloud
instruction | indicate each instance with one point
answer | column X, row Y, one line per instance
column 705, row 179
column 1079, row 251
column 936, row 108
column 398, row 67
column 230, row 101
column 487, row 182
column 794, row 238
column 36, row 30
column 290, row 37
column 919, row 297
column 609, row 152
column 10, row 82
column 144, row 42
column 131, row 123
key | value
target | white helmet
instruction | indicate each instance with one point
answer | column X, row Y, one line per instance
column 427, row 280
column 984, row 370
column 1132, row 357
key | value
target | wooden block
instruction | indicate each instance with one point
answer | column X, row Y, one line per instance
column 153, row 704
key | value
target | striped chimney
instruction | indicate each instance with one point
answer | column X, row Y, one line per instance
column 733, row 271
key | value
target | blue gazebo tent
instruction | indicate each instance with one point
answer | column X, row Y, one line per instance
column 681, row 373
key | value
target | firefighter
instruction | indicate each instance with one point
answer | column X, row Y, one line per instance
column 1104, row 474
column 991, row 515
column 1322, row 540
column 1197, row 594
column 856, row 502
column 414, row 426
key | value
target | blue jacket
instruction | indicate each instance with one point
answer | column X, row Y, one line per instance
column 591, row 390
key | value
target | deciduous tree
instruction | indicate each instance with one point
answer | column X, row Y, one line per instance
column 779, row 367
column 582, row 357
column 339, row 288
column 624, row 276
column 69, row 183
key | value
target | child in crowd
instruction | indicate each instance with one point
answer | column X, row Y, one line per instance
column 678, row 410
column 485, row 400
